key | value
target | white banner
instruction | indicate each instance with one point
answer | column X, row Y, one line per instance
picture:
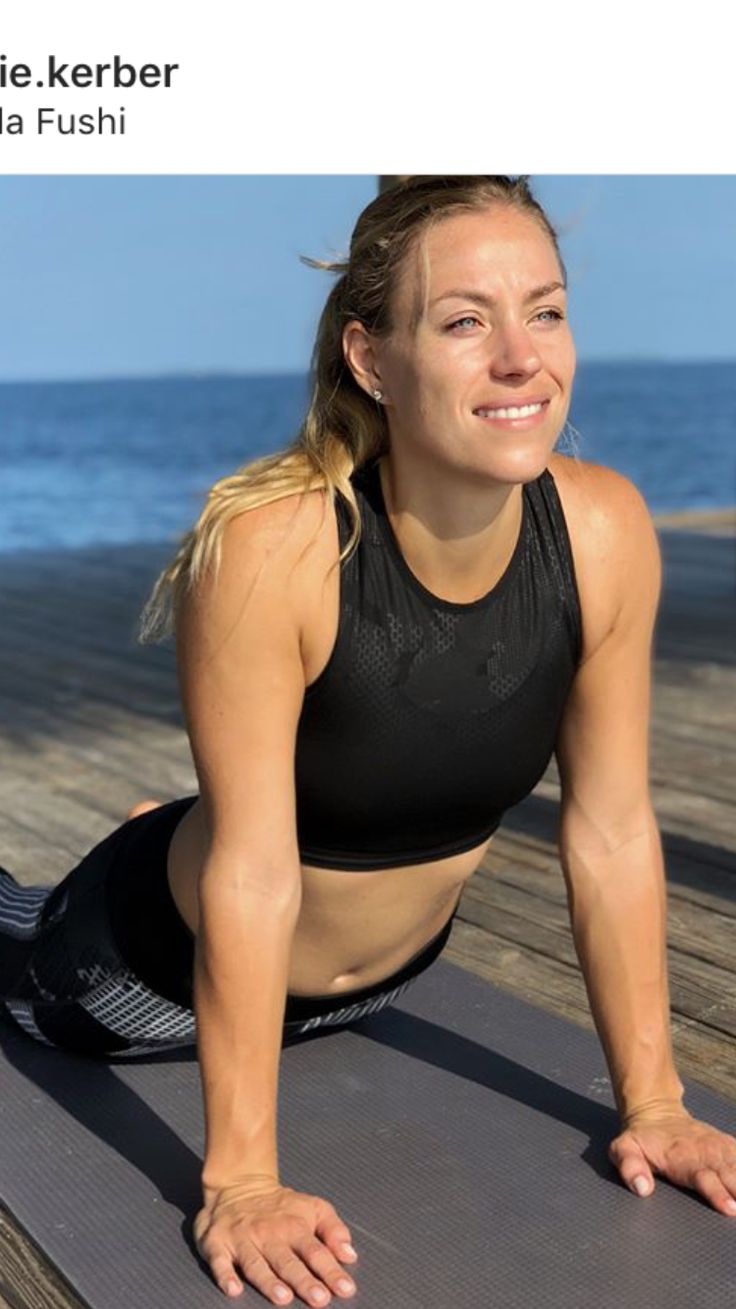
column 381, row 88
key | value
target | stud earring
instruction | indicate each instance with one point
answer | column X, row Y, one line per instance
column 377, row 395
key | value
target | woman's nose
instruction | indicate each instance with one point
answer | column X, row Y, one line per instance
column 514, row 351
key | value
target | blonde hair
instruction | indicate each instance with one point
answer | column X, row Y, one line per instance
column 343, row 427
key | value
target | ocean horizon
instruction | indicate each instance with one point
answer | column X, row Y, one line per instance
column 125, row 460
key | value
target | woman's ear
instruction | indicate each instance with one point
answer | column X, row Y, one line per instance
column 360, row 356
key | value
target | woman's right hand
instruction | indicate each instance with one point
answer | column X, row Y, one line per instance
column 281, row 1240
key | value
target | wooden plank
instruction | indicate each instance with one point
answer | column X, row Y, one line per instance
column 701, row 984
column 688, row 881
column 36, row 661
column 538, row 898
column 27, row 1277
column 705, row 1054
column 100, row 734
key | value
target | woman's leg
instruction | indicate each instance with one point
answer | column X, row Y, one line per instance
column 21, row 911
column 62, row 975
column 21, row 908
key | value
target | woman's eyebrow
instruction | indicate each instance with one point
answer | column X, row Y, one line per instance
column 479, row 298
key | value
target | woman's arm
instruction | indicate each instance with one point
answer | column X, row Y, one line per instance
column 240, row 980
column 619, row 924
column 611, row 855
column 242, row 684
column 608, row 839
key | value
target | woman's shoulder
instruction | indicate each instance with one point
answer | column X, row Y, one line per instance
column 284, row 547
column 295, row 534
column 285, row 522
column 611, row 533
column 601, row 506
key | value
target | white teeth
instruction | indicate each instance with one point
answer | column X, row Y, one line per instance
column 511, row 412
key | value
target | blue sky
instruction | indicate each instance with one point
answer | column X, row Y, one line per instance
column 106, row 276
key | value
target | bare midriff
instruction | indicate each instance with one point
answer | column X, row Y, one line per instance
column 354, row 928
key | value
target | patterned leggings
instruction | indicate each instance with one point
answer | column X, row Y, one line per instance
column 65, row 981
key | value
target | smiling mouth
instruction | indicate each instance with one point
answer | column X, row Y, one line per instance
column 512, row 412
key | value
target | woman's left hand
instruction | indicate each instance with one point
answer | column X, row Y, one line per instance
column 680, row 1148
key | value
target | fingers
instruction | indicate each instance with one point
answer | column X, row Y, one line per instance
column 223, row 1271
column 718, row 1190
column 258, row 1269
column 278, row 1269
column 278, row 1241
column 254, row 1266
column 699, row 1158
column 633, row 1168
column 294, row 1272
column 333, row 1231
column 317, row 1257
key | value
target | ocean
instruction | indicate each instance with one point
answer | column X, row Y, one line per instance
column 130, row 460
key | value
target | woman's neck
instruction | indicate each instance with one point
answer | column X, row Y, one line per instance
column 456, row 537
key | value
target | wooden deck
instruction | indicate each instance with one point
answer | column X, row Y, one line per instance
column 91, row 723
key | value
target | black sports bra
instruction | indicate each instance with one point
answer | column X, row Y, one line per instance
column 432, row 718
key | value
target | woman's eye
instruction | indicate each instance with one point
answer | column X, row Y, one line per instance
column 554, row 312
column 467, row 318
column 549, row 315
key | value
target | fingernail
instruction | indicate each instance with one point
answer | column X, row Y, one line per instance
column 344, row 1285
column 348, row 1249
column 641, row 1186
column 731, row 1206
column 233, row 1288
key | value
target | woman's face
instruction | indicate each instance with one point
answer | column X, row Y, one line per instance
column 494, row 334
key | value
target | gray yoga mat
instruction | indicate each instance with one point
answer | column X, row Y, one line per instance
column 461, row 1134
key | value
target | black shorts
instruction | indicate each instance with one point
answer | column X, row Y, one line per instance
column 102, row 963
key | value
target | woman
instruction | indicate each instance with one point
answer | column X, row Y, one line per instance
column 376, row 660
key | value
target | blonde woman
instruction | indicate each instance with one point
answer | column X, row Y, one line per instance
column 383, row 633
